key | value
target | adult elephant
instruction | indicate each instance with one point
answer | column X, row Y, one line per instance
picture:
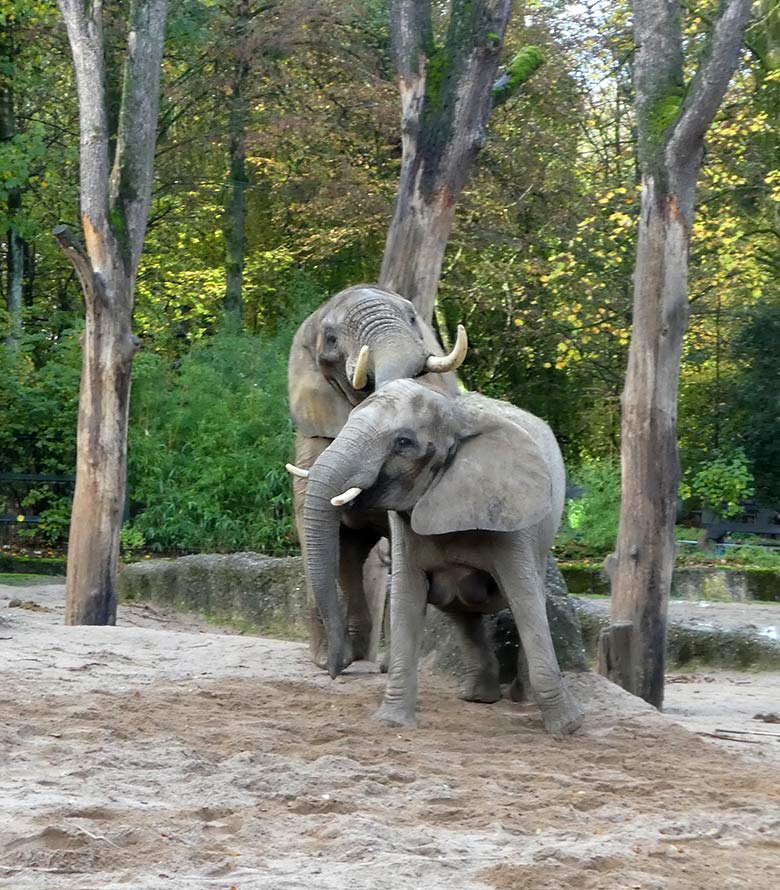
column 476, row 487
column 359, row 340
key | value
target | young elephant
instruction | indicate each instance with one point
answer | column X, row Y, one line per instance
column 476, row 490
column 360, row 339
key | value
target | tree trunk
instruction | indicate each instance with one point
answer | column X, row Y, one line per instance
column 98, row 505
column 415, row 246
column 115, row 203
column 672, row 120
column 446, row 95
column 15, row 252
column 235, row 208
column 641, row 577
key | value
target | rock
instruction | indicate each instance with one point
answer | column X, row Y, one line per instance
column 737, row 647
column 268, row 596
column 263, row 594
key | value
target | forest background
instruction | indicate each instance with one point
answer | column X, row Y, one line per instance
column 279, row 148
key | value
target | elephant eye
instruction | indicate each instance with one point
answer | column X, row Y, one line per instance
column 330, row 339
column 404, row 443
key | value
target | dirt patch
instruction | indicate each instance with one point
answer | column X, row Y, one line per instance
column 147, row 758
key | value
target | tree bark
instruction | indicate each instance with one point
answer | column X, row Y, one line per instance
column 101, row 458
column 15, row 248
column 671, row 124
column 235, row 207
column 115, row 200
column 445, row 104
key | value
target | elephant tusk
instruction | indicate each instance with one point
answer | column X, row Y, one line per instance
column 360, row 374
column 296, row 471
column 349, row 495
column 451, row 362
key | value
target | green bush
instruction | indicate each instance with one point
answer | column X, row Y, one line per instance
column 592, row 519
column 38, row 410
column 208, row 445
column 721, row 484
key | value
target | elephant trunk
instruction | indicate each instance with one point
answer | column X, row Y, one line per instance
column 398, row 359
column 333, row 472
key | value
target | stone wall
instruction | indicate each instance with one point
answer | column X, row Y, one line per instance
column 268, row 596
column 261, row 593
column 691, row 582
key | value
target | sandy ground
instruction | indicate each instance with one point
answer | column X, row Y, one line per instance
column 160, row 754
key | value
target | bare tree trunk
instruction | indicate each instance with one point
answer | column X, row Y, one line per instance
column 235, row 208
column 115, row 203
column 671, row 124
column 104, row 399
column 14, row 242
column 446, row 95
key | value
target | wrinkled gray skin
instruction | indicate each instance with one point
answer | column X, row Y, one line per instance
column 322, row 360
column 476, row 487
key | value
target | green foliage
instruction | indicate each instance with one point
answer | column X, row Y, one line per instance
column 208, row 445
column 760, row 557
column 38, row 406
column 754, row 391
column 131, row 540
column 721, row 484
column 592, row 519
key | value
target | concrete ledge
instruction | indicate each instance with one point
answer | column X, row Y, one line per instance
column 267, row 596
column 712, row 583
column 262, row 594
column 730, row 648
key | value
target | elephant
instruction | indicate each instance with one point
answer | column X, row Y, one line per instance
column 475, row 491
column 362, row 338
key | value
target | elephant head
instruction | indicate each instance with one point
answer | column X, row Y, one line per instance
column 359, row 340
column 451, row 463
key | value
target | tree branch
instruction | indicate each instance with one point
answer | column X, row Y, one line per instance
column 412, row 35
column 131, row 177
column 91, row 284
column 84, row 24
column 710, row 81
column 658, row 74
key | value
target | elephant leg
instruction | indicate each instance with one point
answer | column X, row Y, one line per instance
column 520, row 576
column 408, row 600
column 384, row 663
column 376, row 583
column 479, row 679
column 355, row 547
column 520, row 690
column 307, row 450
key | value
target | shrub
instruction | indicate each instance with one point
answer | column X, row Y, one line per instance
column 208, row 445
column 592, row 519
column 721, row 484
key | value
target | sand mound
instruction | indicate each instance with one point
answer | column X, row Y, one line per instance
column 147, row 758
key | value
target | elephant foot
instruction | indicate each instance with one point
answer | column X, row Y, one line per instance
column 320, row 655
column 518, row 691
column 480, row 688
column 340, row 660
column 360, row 641
column 395, row 715
column 384, row 664
column 563, row 717
column 318, row 651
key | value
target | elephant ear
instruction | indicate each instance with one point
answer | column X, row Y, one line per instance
column 497, row 481
column 317, row 408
